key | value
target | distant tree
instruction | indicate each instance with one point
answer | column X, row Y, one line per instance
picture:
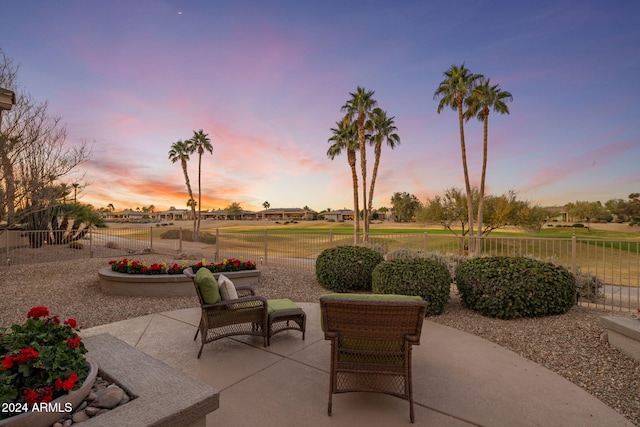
column 483, row 99
column 404, row 205
column 172, row 208
column 452, row 92
column 266, row 205
column 180, row 152
column 111, row 207
column 344, row 138
column 234, row 210
column 358, row 110
column 585, row 211
column 383, row 129
column 199, row 142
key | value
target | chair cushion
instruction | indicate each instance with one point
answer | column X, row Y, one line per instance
column 375, row 297
column 227, row 288
column 283, row 304
column 208, row 286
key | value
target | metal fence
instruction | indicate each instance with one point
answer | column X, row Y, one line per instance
column 615, row 264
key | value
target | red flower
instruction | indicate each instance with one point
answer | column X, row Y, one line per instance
column 71, row 322
column 56, row 320
column 32, row 396
column 7, row 362
column 38, row 311
column 74, row 342
column 67, row 384
column 26, row 354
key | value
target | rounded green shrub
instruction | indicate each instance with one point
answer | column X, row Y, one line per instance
column 428, row 278
column 346, row 268
column 511, row 287
column 76, row 245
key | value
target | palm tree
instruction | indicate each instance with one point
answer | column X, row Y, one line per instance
column 180, row 151
column 358, row 110
column 483, row 99
column 111, row 207
column 199, row 142
column 452, row 92
column 383, row 130
column 344, row 138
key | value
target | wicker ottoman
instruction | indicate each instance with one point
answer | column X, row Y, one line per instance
column 285, row 315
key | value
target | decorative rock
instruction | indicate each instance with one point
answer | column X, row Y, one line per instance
column 109, row 397
column 102, row 411
column 67, row 422
column 79, row 417
column 58, row 424
column 91, row 411
column 125, row 399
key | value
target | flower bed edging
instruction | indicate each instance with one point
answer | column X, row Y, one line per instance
column 163, row 285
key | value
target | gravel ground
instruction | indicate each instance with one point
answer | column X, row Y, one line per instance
column 571, row 345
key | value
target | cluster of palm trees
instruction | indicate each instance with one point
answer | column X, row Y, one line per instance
column 472, row 95
column 180, row 151
column 363, row 124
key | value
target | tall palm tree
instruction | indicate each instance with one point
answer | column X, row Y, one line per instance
column 111, row 207
column 358, row 110
column 180, row 152
column 199, row 142
column 384, row 129
column 483, row 99
column 452, row 92
column 345, row 138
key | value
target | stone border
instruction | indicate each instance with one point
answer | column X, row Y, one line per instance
column 624, row 334
column 163, row 285
column 165, row 397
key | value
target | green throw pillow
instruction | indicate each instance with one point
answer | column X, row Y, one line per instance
column 208, row 286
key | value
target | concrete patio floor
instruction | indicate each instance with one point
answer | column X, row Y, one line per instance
column 459, row 379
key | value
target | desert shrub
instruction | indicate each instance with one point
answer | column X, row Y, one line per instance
column 589, row 286
column 402, row 254
column 76, row 245
column 187, row 236
column 578, row 225
column 377, row 247
column 448, row 259
column 346, row 268
column 511, row 287
column 425, row 277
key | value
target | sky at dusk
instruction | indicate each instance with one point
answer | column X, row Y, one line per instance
column 266, row 80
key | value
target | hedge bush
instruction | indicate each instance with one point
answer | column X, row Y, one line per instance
column 511, row 287
column 187, row 236
column 346, row 268
column 425, row 277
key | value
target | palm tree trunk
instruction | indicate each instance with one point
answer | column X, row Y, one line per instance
column 351, row 157
column 193, row 208
column 484, row 174
column 197, row 232
column 363, row 167
column 374, row 174
column 466, row 173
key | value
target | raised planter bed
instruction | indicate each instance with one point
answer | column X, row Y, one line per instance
column 164, row 397
column 624, row 334
column 163, row 285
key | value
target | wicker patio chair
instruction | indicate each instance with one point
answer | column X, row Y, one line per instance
column 371, row 338
column 246, row 315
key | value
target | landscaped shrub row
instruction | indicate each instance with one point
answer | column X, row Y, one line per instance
column 511, row 287
column 425, row 277
column 346, row 268
column 187, row 236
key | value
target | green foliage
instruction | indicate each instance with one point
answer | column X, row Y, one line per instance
column 404, row 205
column 425, row 277
column 76, row 245
column 346, row 268
column 589, row 286
column 377, row 247
column 40, row 359
column 511, row 287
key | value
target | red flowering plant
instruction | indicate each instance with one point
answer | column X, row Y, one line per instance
column 40, row 360
column 130, row 266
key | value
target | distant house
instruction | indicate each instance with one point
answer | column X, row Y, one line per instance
column 286, row 213
column 174, row 215
column 128, row 215
column 222, row 214
column 557, row 213
column 338, row 215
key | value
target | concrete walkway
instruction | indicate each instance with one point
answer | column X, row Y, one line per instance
column 459, row 379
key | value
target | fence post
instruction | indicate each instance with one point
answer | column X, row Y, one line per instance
column 574, row 251
column 150, row 238
column 425, row 244
column 90, row 243
column 217, row 244
column 180, row 239
column 330, row 238
column 266, row 249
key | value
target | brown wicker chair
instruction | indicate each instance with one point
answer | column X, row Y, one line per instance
column 371, row 338
column 246, row 315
